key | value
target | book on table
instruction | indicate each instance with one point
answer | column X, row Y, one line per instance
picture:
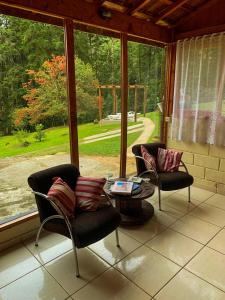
column 122, row 187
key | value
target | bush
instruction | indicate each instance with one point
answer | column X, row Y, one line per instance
column 21, row 135
column 40, row 134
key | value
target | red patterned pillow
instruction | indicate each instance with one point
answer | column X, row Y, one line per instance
column 63, row 197
column 150, row 164
column 168, row 160
column 161, row 159
column 88, row 192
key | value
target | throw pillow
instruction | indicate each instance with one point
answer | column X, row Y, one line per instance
column 63, row 196
column 88, row 192
column 169, row 160
column 149, row 159
column 161, row 159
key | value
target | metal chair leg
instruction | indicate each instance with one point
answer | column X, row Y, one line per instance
column 117, row 238
column 41, row 227
column 189, row 194
column 76, row 259
column 159, row 198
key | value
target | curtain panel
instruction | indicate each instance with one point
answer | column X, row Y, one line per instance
column 199, row 90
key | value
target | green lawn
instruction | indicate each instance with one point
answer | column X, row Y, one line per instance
column 57, row 140
column 156, row 118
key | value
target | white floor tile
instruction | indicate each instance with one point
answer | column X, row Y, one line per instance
column 210, row 214
column 175, row 246
column 148, row 269
column 111, row 285
column 217, row 200
column 63, row 269
column 187, row 286
column 209, row 265
column 218, row 242
column 145, row 232
column 35, row 285
column 16, row 262
column 107, row 249
column 196, row 193
column 49, row 247
column 195, row 228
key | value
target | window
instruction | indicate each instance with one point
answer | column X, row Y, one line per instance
column 33, row 109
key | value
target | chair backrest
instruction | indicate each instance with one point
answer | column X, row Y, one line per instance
column 41, row 182
column 152, row 149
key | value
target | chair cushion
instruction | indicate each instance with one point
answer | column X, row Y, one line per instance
column 170, row 181
column 63, row 197
column 168, row 160
column 88, row 227
column 150, row 164
column 88, row 192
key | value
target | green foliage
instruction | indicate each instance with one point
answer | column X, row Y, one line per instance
column 40, row 134
column 27, row 46
column 22, row 135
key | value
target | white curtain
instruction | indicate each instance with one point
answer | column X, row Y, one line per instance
column 199, row 91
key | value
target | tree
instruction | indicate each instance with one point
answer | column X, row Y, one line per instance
column 46, row 95
column 24, row 45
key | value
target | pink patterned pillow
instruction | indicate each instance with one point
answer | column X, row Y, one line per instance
column 150, row 164
column 62, row 195
column 88, row 192
column 168, row 160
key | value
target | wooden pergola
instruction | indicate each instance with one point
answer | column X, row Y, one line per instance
column 114, row 96
column 156, row 22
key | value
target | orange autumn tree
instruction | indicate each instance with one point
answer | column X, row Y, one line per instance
column 46, row 100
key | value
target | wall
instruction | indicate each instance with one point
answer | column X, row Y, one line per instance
column 205, row 162
column 19, row 232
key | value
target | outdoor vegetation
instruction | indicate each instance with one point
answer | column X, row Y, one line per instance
column 32, row 80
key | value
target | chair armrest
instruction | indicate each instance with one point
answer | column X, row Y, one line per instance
column 147, row 171
column 61, row 214
column 184, row 166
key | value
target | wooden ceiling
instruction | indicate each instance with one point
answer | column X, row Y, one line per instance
column 161, row 21
column 167, row 13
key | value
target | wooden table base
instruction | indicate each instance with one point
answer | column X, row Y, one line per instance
column 134, row 216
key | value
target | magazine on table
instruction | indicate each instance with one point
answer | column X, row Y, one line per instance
column 122, row 187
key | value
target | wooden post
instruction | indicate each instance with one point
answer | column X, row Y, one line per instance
column 169, row 82
column 100, row 103
column 114, row 99
column 71, row 90
column 135, row 103
column 145, row 100
column 124, row 97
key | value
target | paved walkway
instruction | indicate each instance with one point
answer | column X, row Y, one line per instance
column 149, row 127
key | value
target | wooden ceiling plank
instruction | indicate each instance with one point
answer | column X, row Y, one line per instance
column 141, row 6
column 194, row 12
column 113, row 6
column 86, row 13
column 171, row 9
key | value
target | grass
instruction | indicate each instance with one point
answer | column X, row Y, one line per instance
column 57, row 140
column 107, row 147
column 156, row 118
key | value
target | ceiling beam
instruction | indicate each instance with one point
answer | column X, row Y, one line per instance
column 86, row 13
column 171, row 9
column 141, row 6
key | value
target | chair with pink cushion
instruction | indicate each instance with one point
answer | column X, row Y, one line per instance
column 165, row 181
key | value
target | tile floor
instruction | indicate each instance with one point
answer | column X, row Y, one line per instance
column 178, row 254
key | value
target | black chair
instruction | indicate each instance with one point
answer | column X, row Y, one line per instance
column 166, row 181
column 87, row 227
